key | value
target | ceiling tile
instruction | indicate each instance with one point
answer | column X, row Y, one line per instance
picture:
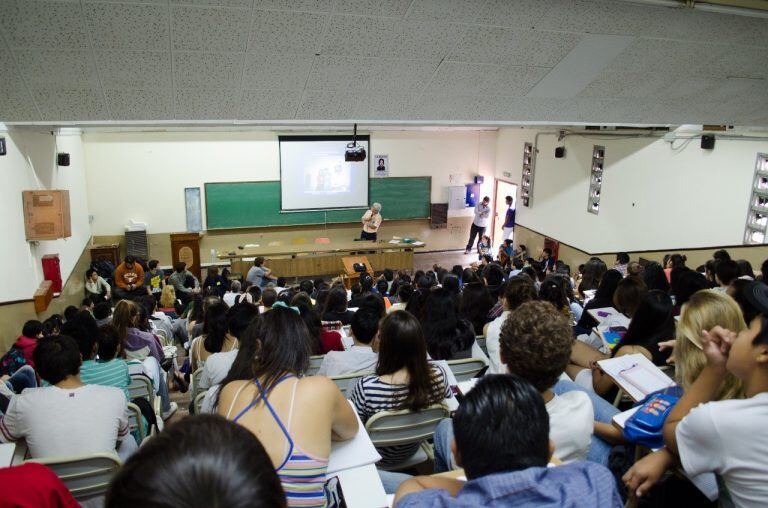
column 17, row 105
column 138, row 104
column 159, row 2
column 276, row 71
column 207, row 70
column 744, row 62
column 446, row 10
column 127, row 26
column 57, row 69
column 324, row 105
column 385, row 105
column 339, row 73
column 459, row 77
column 269, row 104
column 286, row 32
column 628, row 84
column 71, row 105
column 244, row 4
column 10, row 74
column 518, row 47
column 391, row 8
column 391, row 74
column 201, row 104
column 295, row 5
column 358, row 36
column 210, row 29
column 39, row 24
column 424, row 39
column 134, row 69
column 656, row 55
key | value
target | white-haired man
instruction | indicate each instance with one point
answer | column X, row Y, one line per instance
column 371, row 222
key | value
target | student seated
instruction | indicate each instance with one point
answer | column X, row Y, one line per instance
column 129, row 279
column 268, row 298
column 404, row 292
column 311, row 319
column 507, row 467
column 294, row 417
column 208, row 460
column 31, row 332
column 235, row 290
column 652, row 323
column 360, row 356
column 603, row 298
column 108, row 370
column 517, row 291
column 705, row 310
column 403, row 379
column 96, row 286
column 214, row 284
column 69, row 417
column 168, row 302
column 475, row 304
column 259, row 275
column 217, row 365
column 184, row 282
column 536, row 345
column 215, row 337
column 448, row 336
column 728, row 437
column 336, row 307
column 154, row 279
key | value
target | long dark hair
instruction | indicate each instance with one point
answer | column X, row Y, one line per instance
column 607, row 287
column 594, row 270
column 283, row 348
column 652, row 323
column 444, row 333
column 474, row 304
column 402, row 345
column 311, row 319
column 210, row 462
column 336, row 301
column 655, row 278
column 553, row 291
column 415, row 303
column 215, row 327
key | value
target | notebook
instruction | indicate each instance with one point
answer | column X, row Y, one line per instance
column 636, row 375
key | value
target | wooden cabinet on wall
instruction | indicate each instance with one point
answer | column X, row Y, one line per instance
column 46, row 214
column 186, row 247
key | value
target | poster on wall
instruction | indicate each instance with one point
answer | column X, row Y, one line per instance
column 381, row 169
column 193, row 208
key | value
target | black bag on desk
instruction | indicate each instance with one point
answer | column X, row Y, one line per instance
column 359, row 267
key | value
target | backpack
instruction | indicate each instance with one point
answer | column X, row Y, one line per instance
column 12, row 361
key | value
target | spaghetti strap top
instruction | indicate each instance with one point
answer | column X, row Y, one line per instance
column 301, row 474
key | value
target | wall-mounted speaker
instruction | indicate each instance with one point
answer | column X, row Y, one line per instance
column 479, row 179
column 2, row 146
column 559, row 152
column 62, row 159
column 708, row 141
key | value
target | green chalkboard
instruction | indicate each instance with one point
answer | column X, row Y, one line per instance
column 257, row 204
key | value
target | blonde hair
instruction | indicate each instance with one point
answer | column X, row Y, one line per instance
column 703, row 311
column 168, row 297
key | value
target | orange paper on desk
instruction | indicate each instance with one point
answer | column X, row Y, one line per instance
column 323, row 240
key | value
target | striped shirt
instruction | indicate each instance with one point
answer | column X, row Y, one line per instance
column 371, row 395
column 110, row 373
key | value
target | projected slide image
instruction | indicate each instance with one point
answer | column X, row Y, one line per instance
column 326, row 179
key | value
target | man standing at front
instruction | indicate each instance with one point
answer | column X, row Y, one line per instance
column 482, row 212
column 371, row 221
column 509, row 219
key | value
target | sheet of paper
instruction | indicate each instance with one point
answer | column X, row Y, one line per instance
column 352, row 453
column 621, row 418
column 6, row 454
column 466, row 386
column 362, row 488
column 418, row 243
column 615, row 366
column 396, row 242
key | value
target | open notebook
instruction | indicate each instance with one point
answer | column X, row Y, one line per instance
column 636, row 375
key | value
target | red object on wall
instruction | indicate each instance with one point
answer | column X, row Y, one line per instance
column 52, row 271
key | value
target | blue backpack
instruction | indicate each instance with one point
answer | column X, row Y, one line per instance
column 645, row 426
column 12, row 361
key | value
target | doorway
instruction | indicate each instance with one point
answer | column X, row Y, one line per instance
column 502, row 189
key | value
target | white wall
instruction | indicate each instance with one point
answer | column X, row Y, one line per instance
column 30, row 165
column 142, row 176
column 653, row 197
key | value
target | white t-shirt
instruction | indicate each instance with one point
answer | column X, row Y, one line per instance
column 229, row 298
column 571, row 423
column 492, row 344
column 729, row 439
column 482, row 212
column 216, row 368
column 58, row 423
column 354, row 359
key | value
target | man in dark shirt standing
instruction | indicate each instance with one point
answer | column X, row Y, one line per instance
column 509, row 220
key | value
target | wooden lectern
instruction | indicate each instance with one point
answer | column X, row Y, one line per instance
column 186, row 247
column 350, row 276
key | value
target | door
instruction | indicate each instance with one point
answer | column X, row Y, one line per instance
column 502, row 190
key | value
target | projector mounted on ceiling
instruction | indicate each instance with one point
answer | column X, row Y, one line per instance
column 354, row 152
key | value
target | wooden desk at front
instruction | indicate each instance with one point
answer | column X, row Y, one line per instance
column 304, row 260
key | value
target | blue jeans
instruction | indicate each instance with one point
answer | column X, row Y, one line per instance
column 604, row 412
column 443, row 437
column 22, row 378
column 391, row 480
